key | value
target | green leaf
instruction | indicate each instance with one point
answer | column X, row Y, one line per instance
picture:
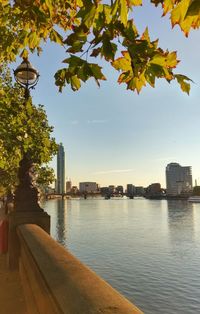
column 78, row 35
column 182, row 80
column 150, row 77
column 84, row 72
column 76, row 47
column 87, row 13
column 74, row 61
column 194, row 8
column 108, row 48
column 56, row 37
column 97, row 73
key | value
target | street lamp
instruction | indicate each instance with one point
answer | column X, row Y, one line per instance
column 26, row 194
column 26, row 76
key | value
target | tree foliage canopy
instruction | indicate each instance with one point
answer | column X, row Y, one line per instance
column 45, row 176
column 24, row 129
column 95, row 28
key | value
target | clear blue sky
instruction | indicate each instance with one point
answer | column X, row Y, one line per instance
column 114, row 136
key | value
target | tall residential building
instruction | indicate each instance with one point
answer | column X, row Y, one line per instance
column 178, row 179
column 61, row 169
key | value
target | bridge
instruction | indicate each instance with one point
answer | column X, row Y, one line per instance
column 85, row 195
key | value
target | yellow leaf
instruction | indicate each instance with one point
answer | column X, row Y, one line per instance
column 24, row 54
column 140, row 82
column 134, row 2
column 124, row 77
column 171, row 60
column 145, row 35
column 33, row 40
column 167, row 6
column 126, row 55
column 79, row 3
column 123, row 63
column 158, row 59
column 123, row 12
column 179, row 12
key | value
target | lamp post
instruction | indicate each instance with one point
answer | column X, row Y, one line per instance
column 26, row 76
column 26, row 207
column 26, row 194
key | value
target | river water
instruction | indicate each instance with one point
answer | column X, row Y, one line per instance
column 149, row 250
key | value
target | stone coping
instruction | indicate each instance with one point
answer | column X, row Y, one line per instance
column 68, row 285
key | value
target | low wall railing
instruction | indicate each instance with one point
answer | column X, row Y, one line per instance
column 54, row 281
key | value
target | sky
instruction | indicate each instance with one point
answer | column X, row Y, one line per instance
column 114, row 136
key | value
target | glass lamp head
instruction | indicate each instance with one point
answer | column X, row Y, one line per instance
column 26, row 75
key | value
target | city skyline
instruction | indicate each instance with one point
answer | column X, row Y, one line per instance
column 178, row 179
column 114, row 136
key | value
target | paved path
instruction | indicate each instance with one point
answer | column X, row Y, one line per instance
column 11, row 294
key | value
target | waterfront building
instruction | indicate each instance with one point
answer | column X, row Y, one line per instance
column 139, row 191
column 68, row 186
column 111, row 189
column 60, row 186
column 89, row 187
column 104, row 190
column 178, row 179
column 74, row 190
column 119, row 189
column 130, row 190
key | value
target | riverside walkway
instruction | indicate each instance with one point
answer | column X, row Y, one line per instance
column 12, row 299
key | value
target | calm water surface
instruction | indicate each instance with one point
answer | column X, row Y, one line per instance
column 148, row 250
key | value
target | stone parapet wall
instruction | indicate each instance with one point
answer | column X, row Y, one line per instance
column 55, row 281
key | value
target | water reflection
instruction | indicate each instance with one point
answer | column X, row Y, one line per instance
column 61, row 221
column 181, row 227
column 178, row 208
column 196, row 211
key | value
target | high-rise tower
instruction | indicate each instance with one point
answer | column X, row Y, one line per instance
column 178, row 179
column 61, row 169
